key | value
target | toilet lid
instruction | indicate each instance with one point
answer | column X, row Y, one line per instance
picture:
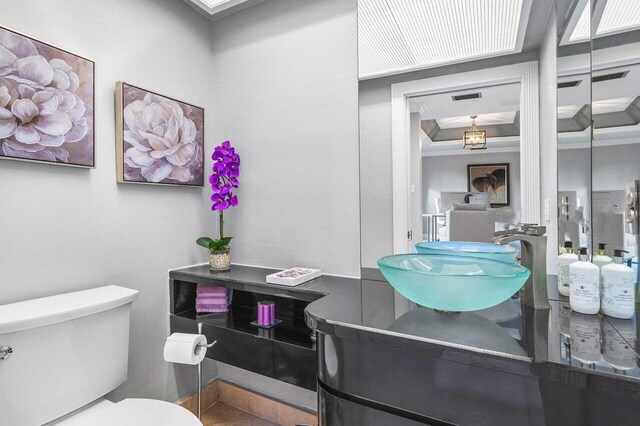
column 142, row 412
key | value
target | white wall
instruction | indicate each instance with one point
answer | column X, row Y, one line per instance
column 415, row 178
column 549, row 141
column 449, row 173
column 64, row 229
column 286, row 95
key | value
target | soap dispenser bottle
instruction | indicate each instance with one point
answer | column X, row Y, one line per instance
column 601, row 258
column 584, row 288
column 618, row 295
column 564, row 260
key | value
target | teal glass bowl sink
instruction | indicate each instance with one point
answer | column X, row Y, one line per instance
column 502, row 253
column 453, row 283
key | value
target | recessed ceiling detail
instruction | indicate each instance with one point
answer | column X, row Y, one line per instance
column 606, row 114
column 489, row 119
column 497, row 125
column 216, row 9
column 402, row 35
column 213, row 3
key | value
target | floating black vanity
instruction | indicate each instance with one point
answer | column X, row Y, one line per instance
column 286, row 352
column 507, row 365
column 374, row 365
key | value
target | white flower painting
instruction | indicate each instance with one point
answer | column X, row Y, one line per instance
column 160, row 140
column 46, row 102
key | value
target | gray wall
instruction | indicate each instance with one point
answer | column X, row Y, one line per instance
column 449, row 173
column 571, row 175
column 286, row 96
column 64, row 229
column 613, row 166
column 548, row 140
column 375, row 151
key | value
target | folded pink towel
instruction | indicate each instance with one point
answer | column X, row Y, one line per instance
column 211, row 299
column 209, row 309
column 207, row 289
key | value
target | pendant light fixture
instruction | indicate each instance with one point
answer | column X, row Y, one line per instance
column 474, row 138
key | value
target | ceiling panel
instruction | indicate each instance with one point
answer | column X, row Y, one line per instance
column 400, row 35
column 500, row 98
column 619, row 15
column 489, row 119
column 616, row 17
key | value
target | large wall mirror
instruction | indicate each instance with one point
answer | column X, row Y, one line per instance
column 599, row 126
column 449, row 112
column 424, row 88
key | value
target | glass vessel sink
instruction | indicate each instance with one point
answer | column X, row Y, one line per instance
column 453, row 283
column 503, row 253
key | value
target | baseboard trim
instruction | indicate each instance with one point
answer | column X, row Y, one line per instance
column 257, row 404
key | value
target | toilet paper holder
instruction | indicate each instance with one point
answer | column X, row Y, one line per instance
column 202, row 345
column 205, row 346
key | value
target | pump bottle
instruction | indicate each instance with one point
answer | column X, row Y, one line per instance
column 564, row 260
column 601, row 258
column 584, row 287
column 618, row 295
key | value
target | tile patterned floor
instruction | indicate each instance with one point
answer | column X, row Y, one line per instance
column 221, row 414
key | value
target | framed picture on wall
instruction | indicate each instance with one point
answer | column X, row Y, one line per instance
column 491, row 178
column 46, row 103
column 159, row 140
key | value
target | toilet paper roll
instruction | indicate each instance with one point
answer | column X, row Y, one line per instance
column 183, row 348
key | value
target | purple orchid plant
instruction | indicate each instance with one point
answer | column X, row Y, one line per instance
column 223, row 180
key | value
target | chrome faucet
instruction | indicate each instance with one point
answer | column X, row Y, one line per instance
column 534, row 257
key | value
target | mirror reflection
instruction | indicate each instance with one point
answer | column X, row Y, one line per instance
column 573, row 66
column 475, row 132
column 615, row 90
column 598, row 134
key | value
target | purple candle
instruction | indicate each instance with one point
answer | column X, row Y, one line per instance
column 272, row 313
column 263, row 314
column 266, row 313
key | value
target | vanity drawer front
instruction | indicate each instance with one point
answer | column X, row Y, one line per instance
column 295, row 365
column 241, row 350
column 334, row 411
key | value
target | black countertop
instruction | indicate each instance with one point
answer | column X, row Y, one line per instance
column 358, row 308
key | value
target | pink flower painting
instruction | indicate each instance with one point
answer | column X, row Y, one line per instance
column 160, row 140
column 46, row 102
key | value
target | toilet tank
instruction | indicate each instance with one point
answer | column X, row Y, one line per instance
column 68, row 350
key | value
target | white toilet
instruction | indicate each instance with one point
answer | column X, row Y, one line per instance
column 68, row 351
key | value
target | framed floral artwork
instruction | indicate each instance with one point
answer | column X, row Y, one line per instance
column 159, row 140
column 46, row 102
column 491, row 178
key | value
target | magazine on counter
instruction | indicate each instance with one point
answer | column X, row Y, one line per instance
column 293, row 276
